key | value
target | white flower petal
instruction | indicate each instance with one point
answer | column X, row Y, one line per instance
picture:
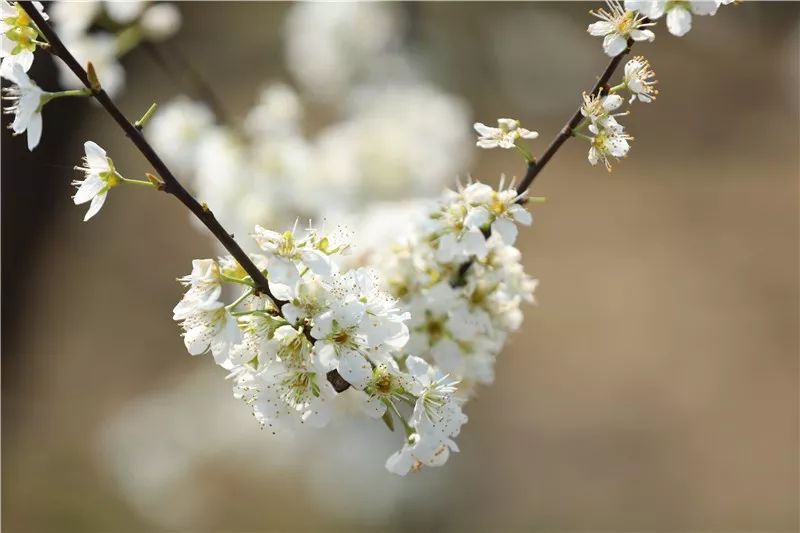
column 34, row 131
column 506, row 229
column 703, row 7
column 94, row 207
column 679, row 21
column 614, row 44
column 400, row 462
column 95, row 156
column 88, row 189
column 600, row 28
column 354, row 368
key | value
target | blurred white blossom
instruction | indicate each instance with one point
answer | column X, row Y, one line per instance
column 160, row 21
column 505, row 135
column 331, row 46
column 176, row 130
column 99, row 49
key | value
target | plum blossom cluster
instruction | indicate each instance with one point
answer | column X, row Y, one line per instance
column 407, row 339
column 607, row 138
column 633, row 20
column 462, row 280
column 281, row 351
column 599, row 126
column 617, row 25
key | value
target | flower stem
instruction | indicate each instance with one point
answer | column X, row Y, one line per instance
column 526, row 153
column 239, row 300
column 140, row 183
column 616, row 88
column 47, row 96
column 240, row 281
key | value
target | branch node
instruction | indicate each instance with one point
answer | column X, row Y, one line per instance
column 157, row 183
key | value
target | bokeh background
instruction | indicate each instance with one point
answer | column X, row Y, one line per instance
column 653, row 387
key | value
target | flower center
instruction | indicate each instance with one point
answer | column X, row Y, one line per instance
column 434, row 329
column 498, row 207
column 384, row 384
column 341, row 337
column 625, row 24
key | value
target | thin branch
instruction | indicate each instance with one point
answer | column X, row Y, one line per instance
column 534, row 167
column 171, row 184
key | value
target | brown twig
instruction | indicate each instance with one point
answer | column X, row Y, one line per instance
column 171, row 184
column 536, row 166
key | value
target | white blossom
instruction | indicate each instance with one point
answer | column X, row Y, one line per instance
column 640, row 80
column 395, row 140
column 331, row 46
column 205, row 287
column 283, row 396
column 176, row 129
column 287, row 255
column 497, row 211
column 99, row 177
column 160, row 21
column 598, row 109
column 617, row 25
column 74, row 18
column 679, row 14
column 505, row 135
column 608, row 141
column 18, row 36
column 277, row 113
column 124, row 11
column 436, row 419
column 26, row 105
column 101, row 50
column 343, row 341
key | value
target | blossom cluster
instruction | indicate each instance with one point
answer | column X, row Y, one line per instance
column 462, row 280
column 407, row 339
column 280, row 352
column 606, row 136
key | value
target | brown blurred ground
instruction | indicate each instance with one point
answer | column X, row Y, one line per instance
column 655, row 386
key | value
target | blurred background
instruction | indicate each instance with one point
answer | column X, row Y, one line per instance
column 653, row 387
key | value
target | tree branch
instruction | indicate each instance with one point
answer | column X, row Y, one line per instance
column 536, row 166
column 171, row 184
